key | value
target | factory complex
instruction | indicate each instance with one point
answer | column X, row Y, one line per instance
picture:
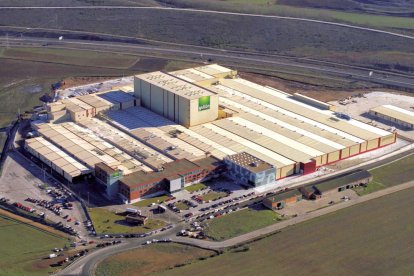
column 183, row 127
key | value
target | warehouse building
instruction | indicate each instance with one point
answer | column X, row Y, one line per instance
column 247, row 169
column 280, row 200
column 175, row 99
column 56, row 159
column 342, row 183
column 78, row 109
column 88, row 148
column 395, row 115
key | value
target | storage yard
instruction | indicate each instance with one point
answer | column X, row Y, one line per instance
column 175, row 128
column 359, row 108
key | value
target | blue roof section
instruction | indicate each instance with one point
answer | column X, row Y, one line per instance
column 116, row 96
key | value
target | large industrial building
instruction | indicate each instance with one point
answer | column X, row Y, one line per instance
column 175, row 99
column 187, row 118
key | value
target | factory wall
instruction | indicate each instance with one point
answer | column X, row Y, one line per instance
column 286, row 171
column 391, row 119
column 198, row 117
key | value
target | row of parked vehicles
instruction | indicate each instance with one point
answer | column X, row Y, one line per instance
column 23, row 207
column 157, row 241
column 68, row 259
column 4, row 200
column 109, row 243
column 50, row 205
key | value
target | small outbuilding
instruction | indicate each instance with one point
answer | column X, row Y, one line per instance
column 280, row 200
column 136, row 219
column 343, row 183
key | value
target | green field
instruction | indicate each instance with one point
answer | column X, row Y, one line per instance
column 107, row 222
column 371, row 238
column 213, row 196
column 268, row 35
column 239, row 223
column 389, row 175
column 147, row 202
column 181, row 206
column 150, row 259
column 195, row 187
column 23, row 247
column 306, row 10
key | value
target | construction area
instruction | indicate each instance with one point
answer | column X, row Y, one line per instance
column 179, row 128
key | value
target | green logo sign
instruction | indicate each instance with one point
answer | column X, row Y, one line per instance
column 115, row 174
column 203, row 103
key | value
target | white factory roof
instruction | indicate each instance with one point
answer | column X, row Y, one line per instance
column 174, row 85
column 277, row 159
column 268, row 111
column 395, row 112
column 360, row 130
column 191, row 75
column 87, row 147
column 57, row 157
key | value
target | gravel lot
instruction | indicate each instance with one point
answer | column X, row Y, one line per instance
column 363, row 105
column 21, row 179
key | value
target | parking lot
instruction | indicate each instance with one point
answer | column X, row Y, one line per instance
column 28, row 186
column 219, row 196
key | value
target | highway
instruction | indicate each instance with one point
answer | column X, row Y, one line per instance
column 240, row 60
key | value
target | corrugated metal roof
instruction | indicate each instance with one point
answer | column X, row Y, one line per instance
column 307, row 111
column 191, row 75
column 174, row 85
column 238, row 144
column 395, row 112
column 57, row 157
column 262, row 140
column 277, row 111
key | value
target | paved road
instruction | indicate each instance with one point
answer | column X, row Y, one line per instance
column 9, row 142
column 217, row 12
column 247, row 60
column 86, row 265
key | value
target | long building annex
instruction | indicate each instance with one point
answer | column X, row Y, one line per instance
column 202, row 115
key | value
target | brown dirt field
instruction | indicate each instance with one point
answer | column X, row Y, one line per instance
column 77, row 81
column 313, row 91
column 35, row 224
column 150, row 64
